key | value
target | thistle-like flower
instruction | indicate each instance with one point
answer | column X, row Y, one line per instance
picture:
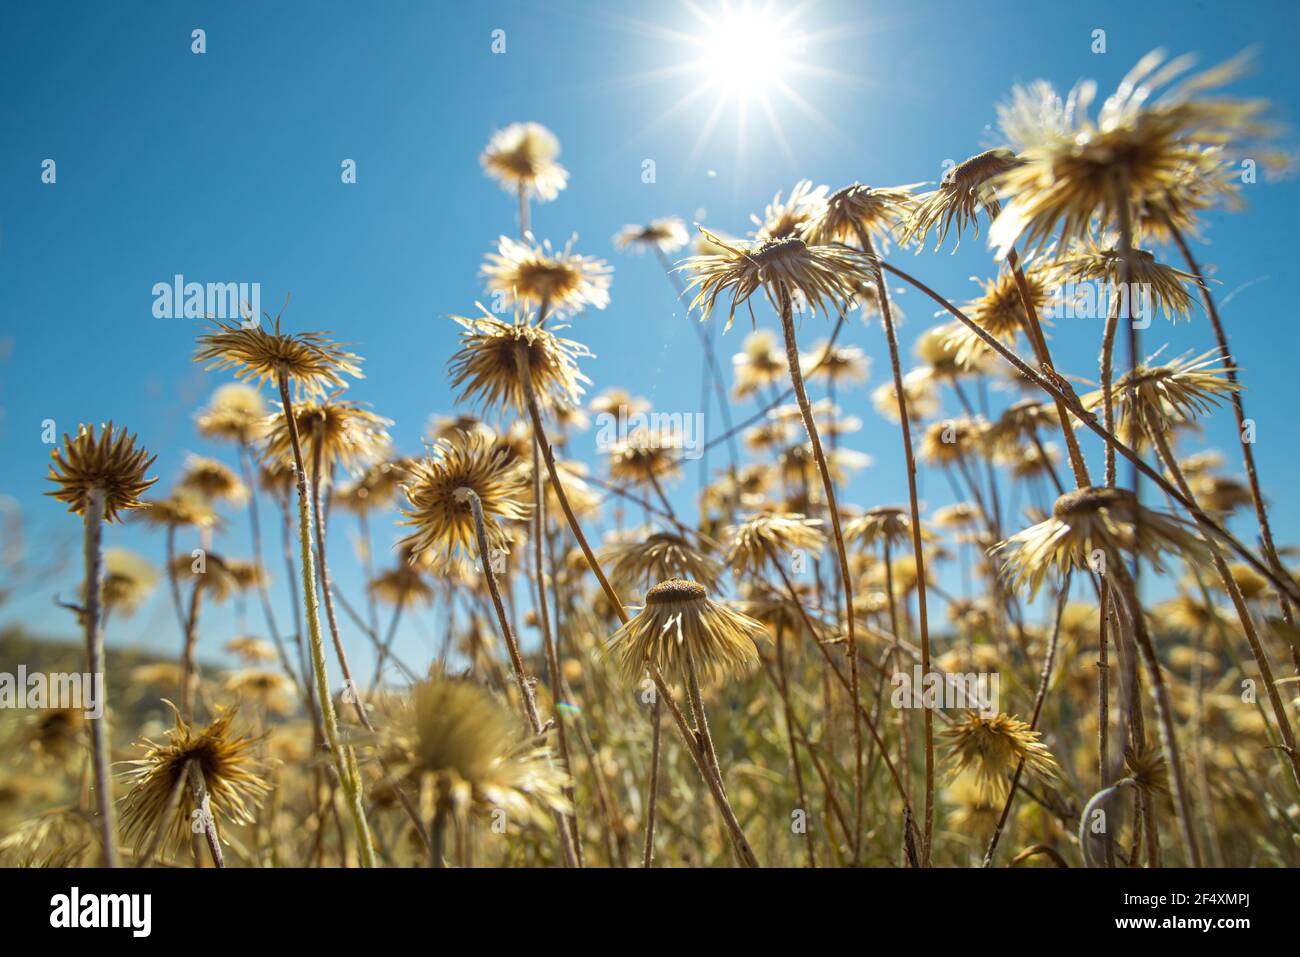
column 836, row 364
column 1090, row 523
column 1162, row 396
column 665, row 236
column 1140, row 150
column 440, row 508
column 639, row 560
column 545, row 279
column 991, row 748
column 312, row 360
column 401, row 585
column 376, row 487
column 857, row 210
column 782, row 219
column 236, row 413
column 921, row 392
column 486, row 367
column 458, row 737
column 680, row 629
column 759, row 364
column 332, row 432
column 211, row 479
column 884, row 523
column 128, row 580
column 999, row 311
column 825, row 279
column 233, row 776
column 1089, row 262
column 644, row 457
column 950, row 441
column 250, row 649
column 521, row 157
column 771, row 537
column 964, row 190
column 110, row 465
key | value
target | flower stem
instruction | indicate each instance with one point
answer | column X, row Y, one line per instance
column 522, row 681
column 100, row 740
column 891, row 337
column 344, row 759
column 1289, row 589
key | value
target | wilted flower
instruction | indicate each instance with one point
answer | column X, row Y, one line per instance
column 521, row 158
column 110, row 465
column 680, row 629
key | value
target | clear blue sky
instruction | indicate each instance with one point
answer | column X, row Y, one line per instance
column 226, row 166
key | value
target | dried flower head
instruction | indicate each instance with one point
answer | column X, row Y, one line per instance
column 236, row 413
column 999, row 311
column 782, row 219
column 250, row 649
column 376, row 487
column 1167, row 395
column 1105, row 521
column 486, row 367
column 760, row 363
column 544, row 279
column 212, row 480
column 233, row 775
column 664, row 236
column 313, row 361
column 920, row 390
column 831, row 363
column 646, row 456
column 128, row 580
column 110, row 466
column 521, row 158
column 1168, row 287
column 402, row 586
column 964, row 190
column 681, row 629
column 1140, row 150
column 858, row 211
column 825, row 279
column 457, row 736
column 440, row 508
column 884, row 523
column 771, row 537
column 640, row 559
column 993, row 747
column 333, row 432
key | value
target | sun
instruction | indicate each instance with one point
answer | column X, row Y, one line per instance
column 747, row 52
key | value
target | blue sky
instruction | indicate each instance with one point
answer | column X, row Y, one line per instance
column 226, row 166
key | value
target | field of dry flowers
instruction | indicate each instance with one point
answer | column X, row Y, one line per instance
column 778, row 678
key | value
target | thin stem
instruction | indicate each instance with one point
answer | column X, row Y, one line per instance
column 345, row 761
column 652, row 797
column 552, row 653
column 199, row 791
column 1290, row 589
column 1239, row 411
column 891, row 337
column 1045, row 678
column 468, row 496
column 99, row 730
column 832, row 506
